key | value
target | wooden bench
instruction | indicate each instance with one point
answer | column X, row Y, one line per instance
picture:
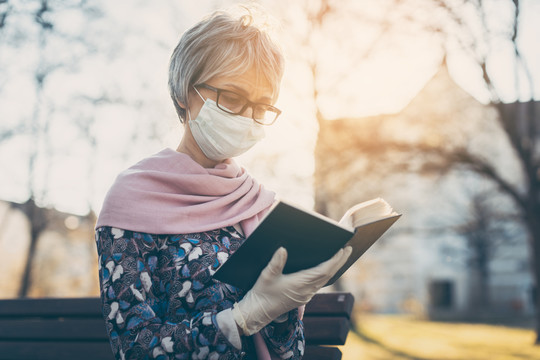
column 73, row 328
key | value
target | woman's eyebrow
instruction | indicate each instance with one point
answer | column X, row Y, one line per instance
column 245, row 93
column 237, row 88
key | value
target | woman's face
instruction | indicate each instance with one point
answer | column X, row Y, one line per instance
column 254, row 88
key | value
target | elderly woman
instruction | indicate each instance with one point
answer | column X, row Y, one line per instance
column 171, row 220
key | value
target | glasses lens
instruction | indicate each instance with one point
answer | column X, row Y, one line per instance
column 231, row 102
column 265, row 114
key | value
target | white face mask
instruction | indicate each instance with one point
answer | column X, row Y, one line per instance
column 222, row 136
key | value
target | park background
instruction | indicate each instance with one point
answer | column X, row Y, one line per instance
column 428, row 104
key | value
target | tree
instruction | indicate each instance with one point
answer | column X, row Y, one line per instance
column 473, row 30
column 87, row 97
column 486, row 231
column 518, row 121
column 18, row 25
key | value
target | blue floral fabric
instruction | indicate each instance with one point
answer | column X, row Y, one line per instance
column 160, row 300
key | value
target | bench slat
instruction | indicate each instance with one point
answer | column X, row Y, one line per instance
column 73, row 328
column 338, row 304
column 330, row 304
column 326, row 331
column 322, row 353
column 52, row 307
column 53, row 329
column 102, row 351
column 11, row 350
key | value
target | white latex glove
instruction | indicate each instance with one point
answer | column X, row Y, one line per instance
column 276, row 293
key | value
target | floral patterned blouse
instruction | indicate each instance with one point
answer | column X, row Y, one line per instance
column 160, row 300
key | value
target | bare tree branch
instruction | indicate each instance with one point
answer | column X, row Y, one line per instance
column 12, row 132
column 5, row 10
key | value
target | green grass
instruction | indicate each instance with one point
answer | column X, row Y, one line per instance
column 404, row 338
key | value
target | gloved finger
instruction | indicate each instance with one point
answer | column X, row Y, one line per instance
column 324, row 270
column 333, row 264
column 277, row 263
column 344, row 257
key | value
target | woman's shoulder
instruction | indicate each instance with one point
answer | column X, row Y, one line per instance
column 168, row 161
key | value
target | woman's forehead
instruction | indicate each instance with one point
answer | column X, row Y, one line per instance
column 250, row 77
column 249, row 83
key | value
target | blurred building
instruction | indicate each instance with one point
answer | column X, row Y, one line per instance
column 64, row 263
column 436, row 260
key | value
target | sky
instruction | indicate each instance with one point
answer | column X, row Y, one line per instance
column 110, row 106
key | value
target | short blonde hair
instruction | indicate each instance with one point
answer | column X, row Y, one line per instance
column 222, row 44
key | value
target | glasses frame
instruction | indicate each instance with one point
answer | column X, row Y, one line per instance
column 248, row 104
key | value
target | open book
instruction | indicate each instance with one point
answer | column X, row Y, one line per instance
column 310, row 238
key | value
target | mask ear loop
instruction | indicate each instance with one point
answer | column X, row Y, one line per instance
column 198, row 93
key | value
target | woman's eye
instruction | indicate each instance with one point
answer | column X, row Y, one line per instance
column 232, row 99
column 259, row 112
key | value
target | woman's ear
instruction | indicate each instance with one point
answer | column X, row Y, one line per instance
column 181, row 109
column 180, row 104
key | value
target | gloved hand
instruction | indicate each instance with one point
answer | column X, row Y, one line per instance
column 275, row 293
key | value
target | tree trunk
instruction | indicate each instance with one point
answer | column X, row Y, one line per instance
column 485, row 299
column 37, row 218
column 26, row 279
column 535, row 239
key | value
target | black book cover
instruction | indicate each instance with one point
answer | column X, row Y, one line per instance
column 309, row 238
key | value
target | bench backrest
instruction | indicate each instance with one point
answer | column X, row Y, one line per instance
column 73, row 328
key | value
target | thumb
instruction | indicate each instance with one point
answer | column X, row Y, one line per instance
column 277, row 263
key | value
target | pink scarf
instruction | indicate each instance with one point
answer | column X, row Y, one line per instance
column 169, row 193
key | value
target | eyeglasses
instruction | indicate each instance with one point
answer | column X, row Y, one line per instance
column 236, row 104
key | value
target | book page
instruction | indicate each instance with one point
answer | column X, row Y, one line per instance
column 367, row 212
column 364, row 237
